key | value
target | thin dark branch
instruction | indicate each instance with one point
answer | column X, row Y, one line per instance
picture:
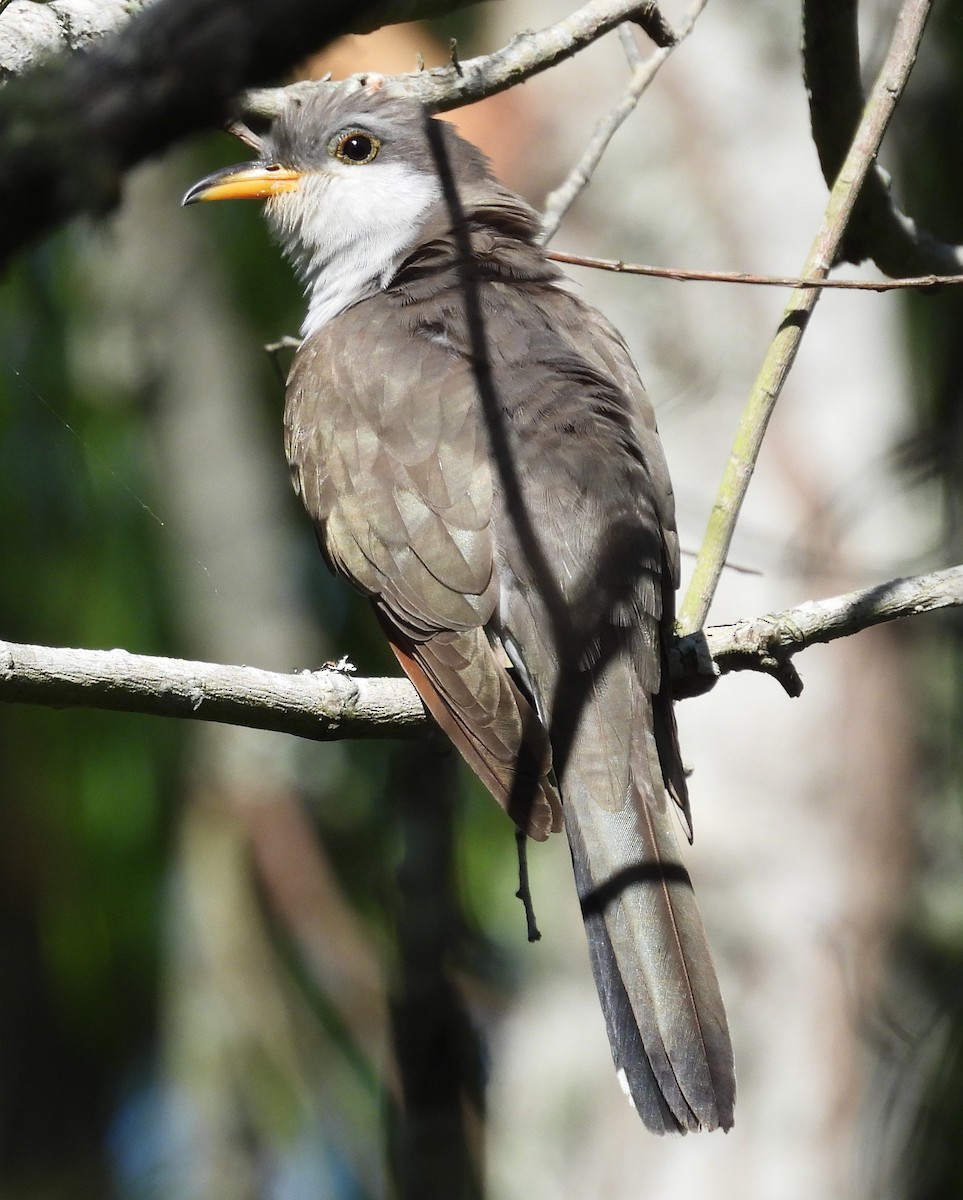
column 921, row 283
column 878, row 230
column 524, row 892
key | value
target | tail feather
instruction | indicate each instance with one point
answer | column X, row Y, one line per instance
column 644, row 1088
column 657, row 985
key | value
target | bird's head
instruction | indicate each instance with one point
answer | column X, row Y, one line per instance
column 350, row 181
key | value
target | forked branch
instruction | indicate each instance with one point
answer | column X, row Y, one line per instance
column 784, row 346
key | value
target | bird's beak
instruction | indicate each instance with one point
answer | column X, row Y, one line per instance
column 246, row 181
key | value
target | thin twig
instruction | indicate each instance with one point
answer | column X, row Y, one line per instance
column 328, row 705
column 564, row 196
column 782, row 351
column 524, row 892
column 918, row 282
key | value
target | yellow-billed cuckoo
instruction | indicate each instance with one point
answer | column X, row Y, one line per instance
column 479, row 457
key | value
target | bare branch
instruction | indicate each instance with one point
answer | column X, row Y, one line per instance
column 767, row 643
column 922, row 283
column 564, row 196
column 444, row 88
column 631, row 46
column 30, row 32
column 782, row 351
column 878, row 229
column 322, row 705
column 327, row 705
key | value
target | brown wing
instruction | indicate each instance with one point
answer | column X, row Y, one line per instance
column 388, row 456
column 470, row 695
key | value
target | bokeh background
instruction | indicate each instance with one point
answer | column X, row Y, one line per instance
column 237, row 965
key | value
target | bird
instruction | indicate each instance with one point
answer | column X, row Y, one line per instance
column 479, row 458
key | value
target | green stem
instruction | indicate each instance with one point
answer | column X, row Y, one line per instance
column 784, row 346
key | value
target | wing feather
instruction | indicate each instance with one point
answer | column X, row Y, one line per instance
column 393, row 468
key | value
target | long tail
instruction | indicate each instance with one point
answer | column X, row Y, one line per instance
column 663, row 1010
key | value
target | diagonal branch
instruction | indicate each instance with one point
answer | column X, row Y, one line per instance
column 328, row 705
column 558, row 202
column 782, row 351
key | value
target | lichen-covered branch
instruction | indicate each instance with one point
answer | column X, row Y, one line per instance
column 331, row 704
column 322, row 705
column 31, row 32
column 767, row 643
column 878, row 229
column 782, row 350
column 444, row 88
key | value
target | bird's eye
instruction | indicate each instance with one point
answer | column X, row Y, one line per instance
column 355, row 148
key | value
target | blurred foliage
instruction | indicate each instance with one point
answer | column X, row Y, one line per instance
column 89, row 801
column 84, row 797
column 929, row 130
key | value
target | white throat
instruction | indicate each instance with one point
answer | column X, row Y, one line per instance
column 346, row 232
